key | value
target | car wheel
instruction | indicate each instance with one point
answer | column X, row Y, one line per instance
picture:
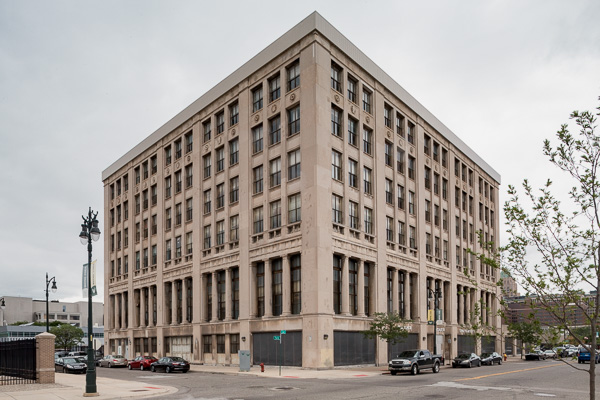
column 453, row 366
column 500, row 362
column 64, row 370
column 470, row 364
column 414, row 370
column 168, row 370
column 129, row 366
column 436, row 368
column 479, row 364
column 141, row 367
column 152, row 369
column 185, row 370
column 393, row 372
column 109, row 365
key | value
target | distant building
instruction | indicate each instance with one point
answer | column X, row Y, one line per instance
column 15, row 332
column 27, row 309
column 525, row 308
column 509, row 285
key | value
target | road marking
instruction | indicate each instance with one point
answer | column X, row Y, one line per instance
column 508, row 372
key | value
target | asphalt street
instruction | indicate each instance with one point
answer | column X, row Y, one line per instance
column 514, row 380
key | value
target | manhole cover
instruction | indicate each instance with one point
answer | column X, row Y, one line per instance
column 283, row 388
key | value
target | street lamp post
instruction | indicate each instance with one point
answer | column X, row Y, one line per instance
column 2, row 307
column 53, row 280
column 89, row 232
column 436, row 295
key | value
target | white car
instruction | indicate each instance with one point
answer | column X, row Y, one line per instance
column 550, row 354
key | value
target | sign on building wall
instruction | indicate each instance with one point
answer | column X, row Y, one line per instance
column 84, row 279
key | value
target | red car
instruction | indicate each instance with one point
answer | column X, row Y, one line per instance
column 141, row 362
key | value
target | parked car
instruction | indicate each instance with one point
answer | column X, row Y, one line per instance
column 70, row 364
column 170, row 364
column 141, row 362
column 550, row 354
column 415, row 361
column 113, row 361
column 535, row 355
column 466, row 360
column 586, row 356
column 491, row 358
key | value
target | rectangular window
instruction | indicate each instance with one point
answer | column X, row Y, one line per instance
column 445, row 219
column 366, row 100
column 389, row 157
column 294, row 164
column 260, row 289
column 168, row 155
column 352, row 89
column 178, row 247
column 207, row 130
column 168, row 218
column 389, row 229
column 207, row 163
column 275, row 130
column 401, row 197
column 427, row 178
column 257, row 180
column 154, row 254
column 137, row 175
column 294, row 208
column 336, row 209
column 234, row 228
column 400, row 160
column 189, row 175
column 221, row 302
column 178, row 181
column 189, row 244
column 436, row 183
column 275, row 172
column 352, row 136
column 336, row 121
column 389, row 192
column 233, row 152
column 412, row 237
column 410, row 133
column 167, row 187
column 436, row 215
column 411, row 202
column 293, row 120
column 367, row 180
column 274, row 88
column 257, row 99
column 399, row 124
column 411, row 167
column 178, row 214
column 353, row 215
column 220, row 196
column 207, row 201
column 293, row 75
column 436, row 151
column 444, row 189
column 336, row 165
column 178, row 153
column 336, row 77
column 145, row 165
column 220, row 233
column 189, row 142
column 207, row 237
column 234, row 189
column 427, row 145
column 367, row 140
column 401, row 233
column 220, row 158
column 277, row 287
column 428, row 244
column 368, row 221
column 337, row 284
column 220, row 117
column 275, row 214
column 352, row 286
column 235, row 306
column 168, row 250
column 257, row 218
column 427, row 211
column 257, row 139
column 296, row 275
column 352, row 177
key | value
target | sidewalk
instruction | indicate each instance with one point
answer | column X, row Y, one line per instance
column 272, row 371
column 70, row 386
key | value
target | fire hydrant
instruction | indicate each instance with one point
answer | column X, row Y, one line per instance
column 504, row 356
column 262, row 367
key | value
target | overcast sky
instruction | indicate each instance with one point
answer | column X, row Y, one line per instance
column 82, row 82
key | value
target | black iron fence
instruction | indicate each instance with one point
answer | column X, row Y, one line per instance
column 17, row 362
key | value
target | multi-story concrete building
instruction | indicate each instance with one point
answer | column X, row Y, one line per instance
column 303, row 193
column 26, row 309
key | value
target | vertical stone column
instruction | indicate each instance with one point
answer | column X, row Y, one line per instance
column 174, row 302
column 406, row 295
column 395, row 305
column 345, row 287
column 267, row 291
column 142, row 320
column 184, row 284
column 228, row 295
column 44, row 358
column 215, row 305
column 461, row 305
column 361, row 288
column 286, row 286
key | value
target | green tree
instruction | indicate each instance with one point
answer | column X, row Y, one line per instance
column 565, row 237
column 67, row 336
column 387, row 326
column 529, row 333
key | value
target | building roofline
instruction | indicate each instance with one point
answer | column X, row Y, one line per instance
column 311, row 23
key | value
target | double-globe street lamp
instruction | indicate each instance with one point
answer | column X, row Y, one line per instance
column 89, row 232
column 436, row 295
column 53, row 280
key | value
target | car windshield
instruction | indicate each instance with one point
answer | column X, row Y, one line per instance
column 118, row 356
column 70, row 360
column 486, row 355
column 177, row 359
column 407, row 353
column 463, row 356
column 148, row 358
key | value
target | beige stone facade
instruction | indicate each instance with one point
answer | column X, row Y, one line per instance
column 303, row 193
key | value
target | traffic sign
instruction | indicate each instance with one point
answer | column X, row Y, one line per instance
column 283, row 332
column 276, row 337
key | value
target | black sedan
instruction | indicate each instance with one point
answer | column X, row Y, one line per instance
column 535, row 355
column 466, row 360
column 70, row 364
column 491, row 358
column 170, row 364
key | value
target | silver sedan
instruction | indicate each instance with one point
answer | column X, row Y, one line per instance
column 113, row 361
